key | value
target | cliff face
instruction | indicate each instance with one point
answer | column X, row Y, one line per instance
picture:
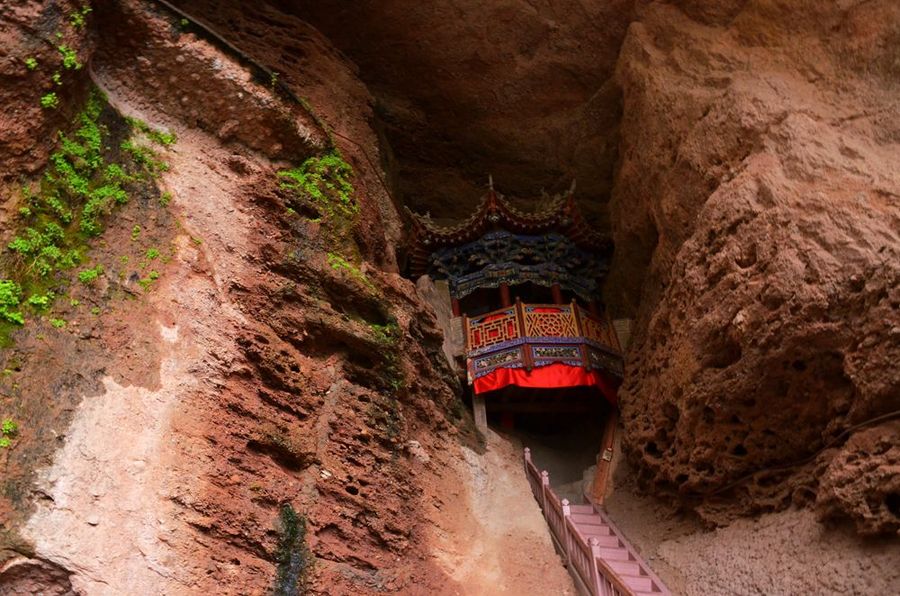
column 756, row 217
column 249, row 396
column 260, row 400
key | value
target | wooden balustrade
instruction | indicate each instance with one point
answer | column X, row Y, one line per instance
column 582, row 555
column 531, row 335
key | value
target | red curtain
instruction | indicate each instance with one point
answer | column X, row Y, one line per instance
column 548, row 377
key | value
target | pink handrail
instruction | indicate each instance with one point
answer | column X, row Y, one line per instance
column 583, row 555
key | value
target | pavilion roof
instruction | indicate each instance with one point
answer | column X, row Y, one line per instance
column 561, row 214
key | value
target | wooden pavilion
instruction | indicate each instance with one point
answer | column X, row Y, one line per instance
column 525, row 287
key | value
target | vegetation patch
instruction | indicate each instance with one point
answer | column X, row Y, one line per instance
column 10, row 299
column 8, row 431
column 92, row 173
column 321, row 189
column 339, row 263
column 293, row 556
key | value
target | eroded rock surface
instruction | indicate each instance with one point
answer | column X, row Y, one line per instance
column 465, row 88
column 861, row 480
column 756, row 223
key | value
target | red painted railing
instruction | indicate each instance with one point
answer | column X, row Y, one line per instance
column 599, row 558
column 533, row 335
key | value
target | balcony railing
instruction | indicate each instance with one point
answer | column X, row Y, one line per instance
column 532, row 335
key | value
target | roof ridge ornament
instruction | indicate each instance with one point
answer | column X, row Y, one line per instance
column 561, row 214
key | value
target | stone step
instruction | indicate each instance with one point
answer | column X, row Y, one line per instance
column 592, row 519
column 625, row 567
column 595, row 530
column 638, row 582
column 614, row 554
column 582, row 509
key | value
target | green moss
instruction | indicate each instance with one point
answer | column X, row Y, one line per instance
column 160, row 137
column 58, row 323
column 84, row 182
column 31, row 63
column 152, row 253
column 326, row 180
column 339, row 263
column 293, row 556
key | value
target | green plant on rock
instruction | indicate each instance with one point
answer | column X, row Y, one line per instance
column 160, row 137
column 58, row 323
column 10, row 299
column 77, row 18
column 339, row 263
column 8, row 431
column 86, row 179
column 41, row 301
column 50, row 101
column 89, row 276
column 326, row 180
column 146, row 282
column 31, row 63
column 69, row 57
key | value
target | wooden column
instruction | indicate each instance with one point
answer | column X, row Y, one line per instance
column 505, row 298
column 480, row 411
column 557, row 294
column 604, row 460
column 454, row 304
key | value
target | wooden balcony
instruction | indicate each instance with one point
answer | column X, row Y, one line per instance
column 533, row 335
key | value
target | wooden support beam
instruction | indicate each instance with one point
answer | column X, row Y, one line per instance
column 557, row 294
column 480, row 412
column 505, row 297
column 604, row 459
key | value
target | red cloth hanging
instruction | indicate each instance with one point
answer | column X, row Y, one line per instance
column 548, row 377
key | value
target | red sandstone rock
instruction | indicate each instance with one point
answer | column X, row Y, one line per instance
column 862, row 481
column 756, row 224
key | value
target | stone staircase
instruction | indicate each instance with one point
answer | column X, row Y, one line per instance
column 598, row 556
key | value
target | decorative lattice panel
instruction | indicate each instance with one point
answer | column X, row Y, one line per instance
column 493, row 329
column 542, row 355
column 593, row 329
column 542, row 321
column 505, row 358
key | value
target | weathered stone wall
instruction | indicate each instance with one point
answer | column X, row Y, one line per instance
column 756, row 218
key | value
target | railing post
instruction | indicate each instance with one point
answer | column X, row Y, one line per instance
column 526, row 346
column 465, row 324
column 582, row 346
column 596, row 587
column 545, row 486
column 566, row 511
